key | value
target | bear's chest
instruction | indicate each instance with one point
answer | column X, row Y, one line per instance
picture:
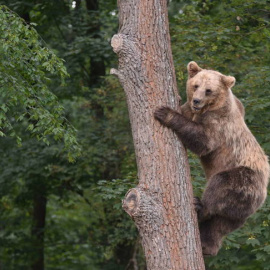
column 210, row 121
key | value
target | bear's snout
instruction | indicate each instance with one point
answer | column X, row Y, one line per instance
column 196, row 101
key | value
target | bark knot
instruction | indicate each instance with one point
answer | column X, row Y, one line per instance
column 117, row 42
column 144, row 209
column 130, row 202
column 127, row 47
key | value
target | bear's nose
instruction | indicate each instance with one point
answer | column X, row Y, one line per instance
column 196, row 101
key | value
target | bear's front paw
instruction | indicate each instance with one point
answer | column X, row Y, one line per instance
column 164, row 115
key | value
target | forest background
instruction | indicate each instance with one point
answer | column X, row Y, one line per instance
column 61, row 188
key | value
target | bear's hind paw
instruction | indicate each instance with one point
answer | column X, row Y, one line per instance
column 210, row 251
column 197, row 204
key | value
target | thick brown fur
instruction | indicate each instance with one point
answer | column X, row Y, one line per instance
column 211, row 124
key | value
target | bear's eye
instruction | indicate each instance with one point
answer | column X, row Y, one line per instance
column 208, row 91
column 196, row 86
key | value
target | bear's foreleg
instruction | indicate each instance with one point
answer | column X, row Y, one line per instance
column 190, row 133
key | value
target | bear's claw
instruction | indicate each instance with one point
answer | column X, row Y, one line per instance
column 162, row 113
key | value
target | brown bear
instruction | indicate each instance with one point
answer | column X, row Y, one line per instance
column 211, row 124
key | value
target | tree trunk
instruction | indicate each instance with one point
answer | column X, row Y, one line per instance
column 97, row 65
column 39, row 217
column 162, row 204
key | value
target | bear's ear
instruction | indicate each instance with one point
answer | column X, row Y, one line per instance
column 229, row 81
column 193, row 69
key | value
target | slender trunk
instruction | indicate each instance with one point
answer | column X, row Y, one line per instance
column 39, row 216
column 162, row 204
column 97, row 65
column 39, row 212
column 97, row 68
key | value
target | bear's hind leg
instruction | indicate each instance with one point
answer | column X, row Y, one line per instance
column 234, row 194
column 229, row 198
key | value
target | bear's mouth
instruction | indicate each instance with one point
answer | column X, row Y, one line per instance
column 197, row 108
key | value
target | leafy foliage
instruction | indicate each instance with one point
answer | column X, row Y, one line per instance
column 25, row 96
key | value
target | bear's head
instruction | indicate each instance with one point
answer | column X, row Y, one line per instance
column 207, row 90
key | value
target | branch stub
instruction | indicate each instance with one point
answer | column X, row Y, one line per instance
column 131, row 201
column 117, row 43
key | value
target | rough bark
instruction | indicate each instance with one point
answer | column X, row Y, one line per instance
column 162, row 204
